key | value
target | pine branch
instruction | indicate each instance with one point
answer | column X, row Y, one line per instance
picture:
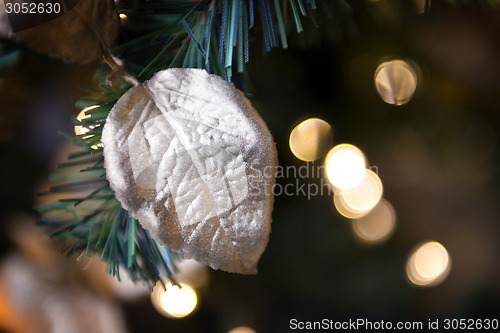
column 158, row 34
column 92, row 219
column 206, row 34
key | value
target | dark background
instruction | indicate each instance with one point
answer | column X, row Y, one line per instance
column 437, row 156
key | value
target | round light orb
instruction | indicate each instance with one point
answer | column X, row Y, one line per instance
column 242, row 329
column 191, row 272
column 364, row 196
column 345, row 166
column 125, row 289
column 311, row 139
column 396, row 81
column 428, row 265
column 344, row 210
column 174, row 302
column 376, row 226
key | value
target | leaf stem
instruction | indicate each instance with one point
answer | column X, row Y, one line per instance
column 117, row 69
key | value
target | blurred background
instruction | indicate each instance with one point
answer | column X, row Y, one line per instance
column 416, row 93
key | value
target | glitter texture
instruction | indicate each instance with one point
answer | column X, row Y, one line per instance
column 188, row 156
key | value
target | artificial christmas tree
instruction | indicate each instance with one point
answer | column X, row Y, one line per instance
column 408, row 87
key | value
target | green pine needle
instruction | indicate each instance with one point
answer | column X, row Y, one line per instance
column 89, row 216
column 159, row 34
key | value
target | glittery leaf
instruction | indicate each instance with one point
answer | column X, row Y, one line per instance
column 188, row 156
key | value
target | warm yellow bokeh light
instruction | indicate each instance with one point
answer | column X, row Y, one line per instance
column 345, row 166
column 242, row 329
column 97, row 146
column 79, row 129
column 364, row 196
column 174, row 302
column 345, row 210
column 311, row 139
column 123, row 16
column 376, row 226
column 429, row 265
column 396, row 81
column 192, row 272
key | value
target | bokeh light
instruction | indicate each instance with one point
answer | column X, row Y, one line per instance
column 364, row 196
column 377, row 225
column 174, row 302
column 345, row 166
column 311, row 139
column 344, row 210
column 242, row 329
column 97, row 146
column 79, row 129
column 191, row 272
column 396, row 81
column 124, row 289
column 429, row 265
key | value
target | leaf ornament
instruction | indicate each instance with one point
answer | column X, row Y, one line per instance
column 189, row 157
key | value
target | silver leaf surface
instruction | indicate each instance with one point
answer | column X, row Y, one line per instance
column 189, row 157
